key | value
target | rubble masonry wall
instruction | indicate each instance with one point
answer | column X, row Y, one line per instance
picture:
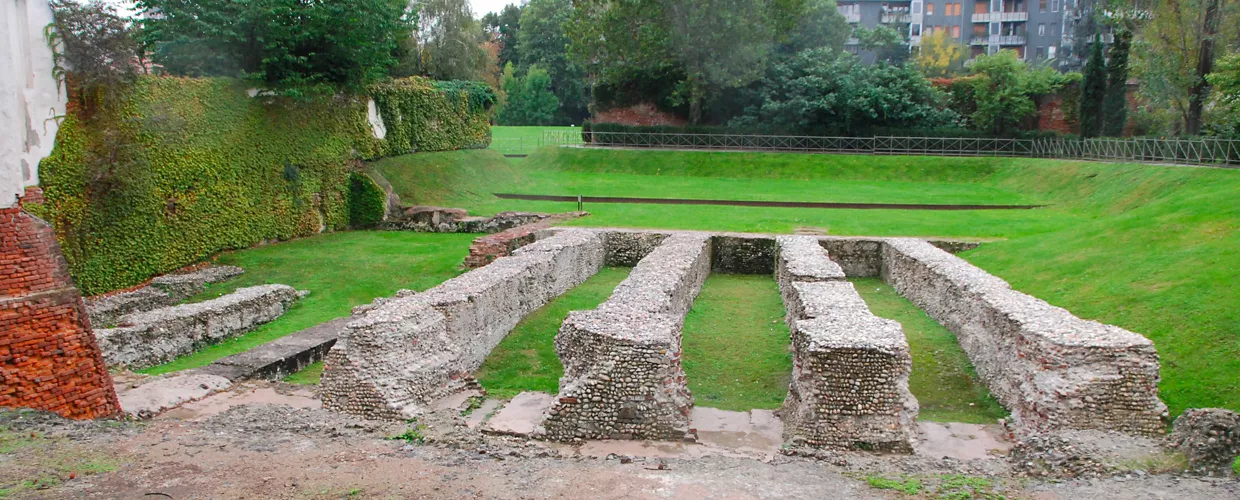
column 1049, row 368
column 849, row 387
column 400, row 354
column 623, row 377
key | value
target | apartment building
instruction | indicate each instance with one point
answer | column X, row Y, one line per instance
column 1039, row 31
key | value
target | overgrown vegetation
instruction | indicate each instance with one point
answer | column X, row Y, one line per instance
column 940, row 487
column 735, row 346
column 367, row 201
column 424, row 115
column 340, row 270
column 526, row 360
column 943, row 381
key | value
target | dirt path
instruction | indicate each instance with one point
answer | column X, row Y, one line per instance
column 265, row 441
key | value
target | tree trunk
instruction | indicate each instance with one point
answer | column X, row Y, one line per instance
column 1200, row 89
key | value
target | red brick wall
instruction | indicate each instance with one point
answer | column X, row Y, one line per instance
column 49, row 359
column 1052, row 116
column 638, row 115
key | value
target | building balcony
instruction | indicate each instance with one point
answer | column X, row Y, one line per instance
column 853, row 17
column 894, row 18
column 999, row 40
column 1008, row 17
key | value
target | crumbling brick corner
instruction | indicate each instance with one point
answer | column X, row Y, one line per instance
column 49, row 359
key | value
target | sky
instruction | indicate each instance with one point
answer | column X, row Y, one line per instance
column 481, row 7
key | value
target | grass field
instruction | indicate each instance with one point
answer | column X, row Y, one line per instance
column 946, row 387
column 736, row 344
column 526, row 360
column 1148, row 248
column 341, row 270
column 524, row 140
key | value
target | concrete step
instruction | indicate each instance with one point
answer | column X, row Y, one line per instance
column 278, row 358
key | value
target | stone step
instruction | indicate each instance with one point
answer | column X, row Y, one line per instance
column 281, row 357
column 521, row 415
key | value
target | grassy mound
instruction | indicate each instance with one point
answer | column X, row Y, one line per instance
column 451, row 178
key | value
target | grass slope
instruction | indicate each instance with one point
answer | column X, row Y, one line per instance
column 1148, row 248
column 526, row 360
column 735, row 344
column 341, row 270
column 450, row 178
column 943, row 380
column 524, row 140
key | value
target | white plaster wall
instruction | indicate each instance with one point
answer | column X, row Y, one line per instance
column 30, row 99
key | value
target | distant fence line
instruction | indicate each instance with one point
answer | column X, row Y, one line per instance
column 1200, row 151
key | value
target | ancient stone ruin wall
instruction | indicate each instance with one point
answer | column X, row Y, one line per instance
column 49, row 360
column 399, row 354
column 622, row 370
column 167, row 290
column 1049, row 368
column 849, row 387
column 159, row 336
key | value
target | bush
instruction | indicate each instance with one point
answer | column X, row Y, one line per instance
column 367, row 201
column 423, row 115
column 96, row 44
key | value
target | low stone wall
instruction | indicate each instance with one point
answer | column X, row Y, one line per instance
column 486, row 249
column 743, row 254
column 456, row 220
column 622, row 370
column 149, row 338
column 167, row 290
column 1051, row 369
column 400, row 354
column 849, row 387
column 627, row 248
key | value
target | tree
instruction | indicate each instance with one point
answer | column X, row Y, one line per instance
column 1115, row 104
column 890, row 45
column 1003, row 88
column 720, row 44
column 1175, row 50
column 1093, row 91
column 821, row 91
column 530, row 100
column 940, row 55
column 543, row 41
column 808, row 24
column 95, row 45
column 450, row 40
column 1226, row 82
column 288, row 45
column 505, row 26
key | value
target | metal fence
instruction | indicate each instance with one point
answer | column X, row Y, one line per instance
column 1200, row 151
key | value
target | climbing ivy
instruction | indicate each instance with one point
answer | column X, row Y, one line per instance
column 177, row 169
column 424, row 115
column 367, row 201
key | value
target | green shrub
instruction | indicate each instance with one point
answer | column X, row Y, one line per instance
column 174, row 170
column 422, row 115
column 367, row 201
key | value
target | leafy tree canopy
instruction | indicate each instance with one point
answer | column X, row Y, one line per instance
column 1004, row 87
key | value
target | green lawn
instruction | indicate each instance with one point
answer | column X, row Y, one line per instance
column 309, row 375
column 526, row 360
column 735, row 348
column 1148, row 248
column 341, row 270
column 943, row 380
column 524, row 140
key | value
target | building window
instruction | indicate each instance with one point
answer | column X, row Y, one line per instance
column 1050, row 52
column 1041, row 29
column 1041, row 5
column 929, row 9
column 956, row 31
column 1054, row 5
column 1054, row 28
column 1041, row 53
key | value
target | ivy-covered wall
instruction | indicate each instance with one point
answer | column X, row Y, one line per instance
column 182, row 168
column 427, row 115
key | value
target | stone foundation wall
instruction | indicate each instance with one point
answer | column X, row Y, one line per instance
column 849, row 387
column 743, row 254
column 1051, row 369
column 49, row 359
column 150, row 338
column 400, row 354
column 622, row 370
column 167, row 290
column 627, row 248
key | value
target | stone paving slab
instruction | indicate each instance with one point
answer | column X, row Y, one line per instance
column 157, row 395
column 281, row 357
column 521, row 415
column 480, row 414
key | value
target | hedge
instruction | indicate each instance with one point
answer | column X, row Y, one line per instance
column 367, row 201
column 178, row 169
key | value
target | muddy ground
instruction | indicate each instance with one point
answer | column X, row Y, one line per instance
column 262, row 440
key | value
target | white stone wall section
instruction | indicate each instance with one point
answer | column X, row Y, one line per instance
column 623, row 377
column 1051, row 369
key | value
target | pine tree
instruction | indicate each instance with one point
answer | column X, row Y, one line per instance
column 1093, row 91
column 1115, row 105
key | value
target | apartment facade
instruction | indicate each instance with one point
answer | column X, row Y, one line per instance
column 1039, row 31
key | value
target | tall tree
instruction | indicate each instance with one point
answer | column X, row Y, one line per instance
column 720, row 44
column 1174, row 51
column 808, row 24
column 543, row 41
column 940, row 55
column 530, row 100
column 505, row 26
column 1093, row 91
column 1115, row 105
column 1003, row 88
column 1226, row 82
column 450, row 40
